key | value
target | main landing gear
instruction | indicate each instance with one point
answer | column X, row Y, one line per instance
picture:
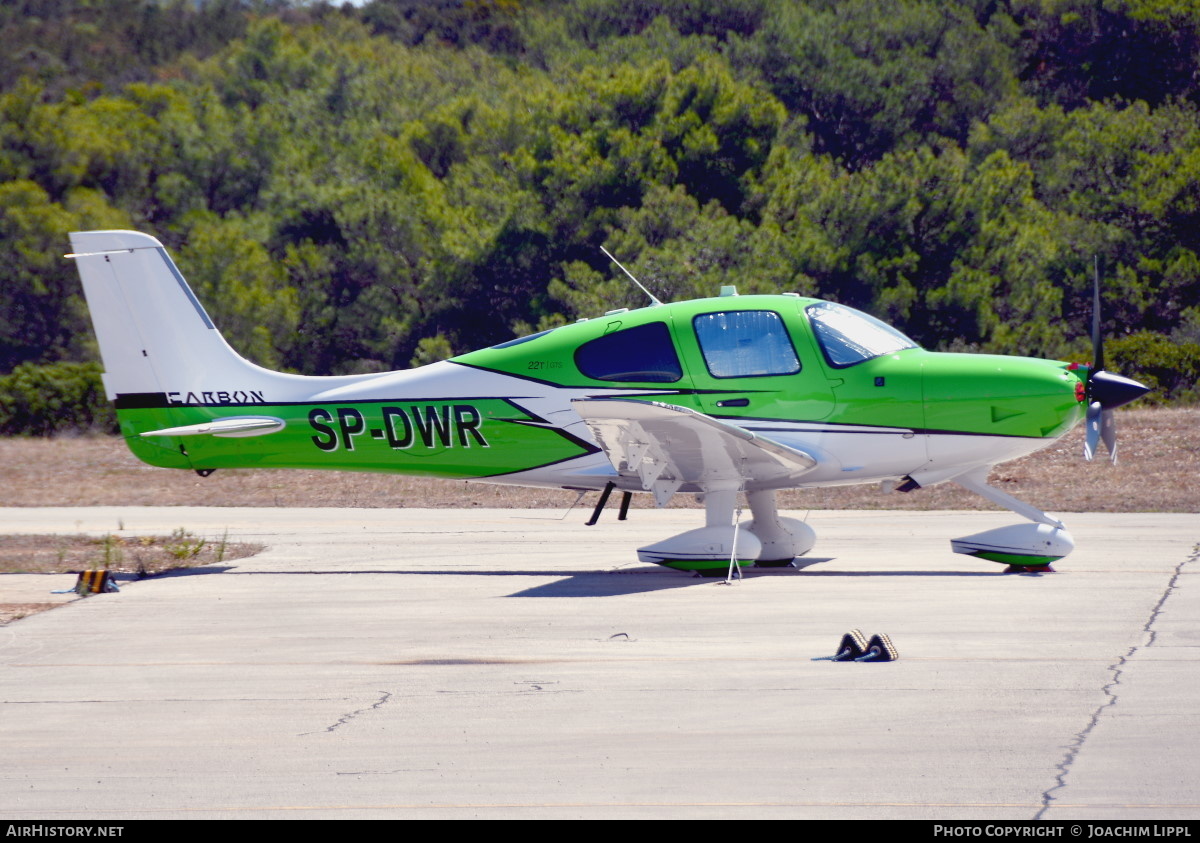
column 767, row 540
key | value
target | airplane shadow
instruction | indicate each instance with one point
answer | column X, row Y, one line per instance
column 200, row 570
column 572, row 583
column 917, row 573
column 596, row 583
column 617, row 583
column 640, row 580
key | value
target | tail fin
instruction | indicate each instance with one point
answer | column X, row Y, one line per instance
column 157, row 343
column 169, row 371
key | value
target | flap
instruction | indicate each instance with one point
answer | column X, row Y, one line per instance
column 668, row 448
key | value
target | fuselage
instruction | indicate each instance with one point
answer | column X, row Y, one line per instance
column 862, row 399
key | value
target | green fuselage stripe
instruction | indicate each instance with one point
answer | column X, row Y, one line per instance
column 459, row 438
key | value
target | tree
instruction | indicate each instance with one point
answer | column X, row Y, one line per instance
column 41, row 314
column 873, row 76
column 1079, row 51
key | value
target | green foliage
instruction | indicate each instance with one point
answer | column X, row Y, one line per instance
column 74, row 45
column 58, row 398
column 875, row 75
column 594, row 21
column 1170, row 369
column 1075, row 51
column 1121, row 180
column 492, row 23
column 358, row 189
column 245, row 289
column 431, row 350
column 113, row 554
column 184, row 545
column 41, row 315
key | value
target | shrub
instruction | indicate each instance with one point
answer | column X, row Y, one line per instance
column 54, row 398
column 1171, row 369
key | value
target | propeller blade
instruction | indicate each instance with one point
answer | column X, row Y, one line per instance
column 1097, row 337
column 1104, row 391
column 1092, row 430
column 1108, row 433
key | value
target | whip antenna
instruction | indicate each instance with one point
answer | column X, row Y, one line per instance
column 630, row 274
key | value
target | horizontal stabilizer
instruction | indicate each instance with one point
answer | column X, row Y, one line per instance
column 234, row 426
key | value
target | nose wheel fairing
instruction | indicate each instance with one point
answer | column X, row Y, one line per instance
column 1020, row 546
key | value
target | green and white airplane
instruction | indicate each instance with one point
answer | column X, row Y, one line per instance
column 715, row 397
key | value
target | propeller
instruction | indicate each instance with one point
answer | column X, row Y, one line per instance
column 1104, row 391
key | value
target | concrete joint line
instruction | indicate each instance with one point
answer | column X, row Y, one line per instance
column 1110, row 689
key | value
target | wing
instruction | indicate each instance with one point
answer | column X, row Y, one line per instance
column 665, row 449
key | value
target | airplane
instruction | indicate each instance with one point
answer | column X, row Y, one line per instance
column 718, row 397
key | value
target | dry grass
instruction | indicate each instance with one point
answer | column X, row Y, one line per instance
column 1160, row 461
column 142, row 556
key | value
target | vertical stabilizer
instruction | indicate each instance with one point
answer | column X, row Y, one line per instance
column 177, row 385
column 155, row 337
column 158, row 345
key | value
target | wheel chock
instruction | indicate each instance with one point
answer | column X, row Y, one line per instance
column 95, row 582
column 879, row 649
column 853, row 645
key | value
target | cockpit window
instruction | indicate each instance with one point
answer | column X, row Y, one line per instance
column 745, row 343
column 848, row 336
column 644, row 354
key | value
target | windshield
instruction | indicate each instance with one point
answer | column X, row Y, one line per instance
column 848, row 336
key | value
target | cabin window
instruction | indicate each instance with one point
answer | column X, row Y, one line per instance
column 848, row 336
column 644, row 354
column 745, row 344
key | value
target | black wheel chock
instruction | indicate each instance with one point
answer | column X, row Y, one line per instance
column 879, row 649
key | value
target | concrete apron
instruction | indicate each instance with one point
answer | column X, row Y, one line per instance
column 505, row 663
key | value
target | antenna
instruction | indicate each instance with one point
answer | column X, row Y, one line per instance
column 630, row 274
